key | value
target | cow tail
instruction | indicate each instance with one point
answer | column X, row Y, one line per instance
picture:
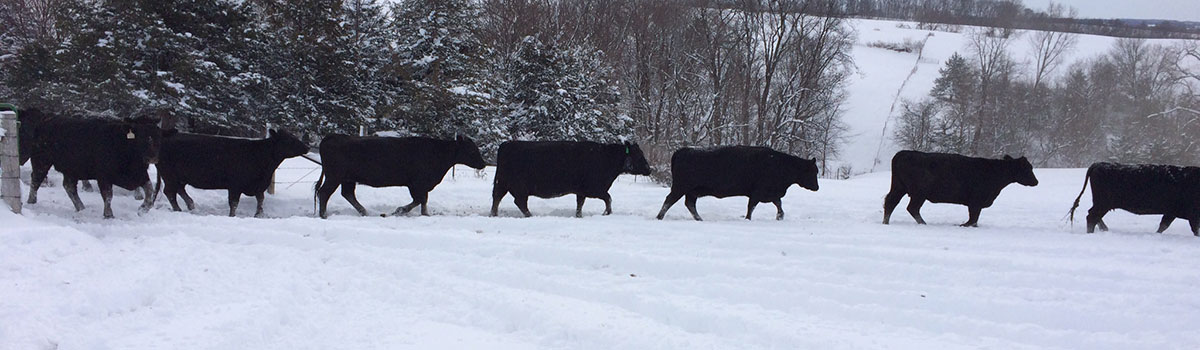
column 317, row 188
column 1086, row 178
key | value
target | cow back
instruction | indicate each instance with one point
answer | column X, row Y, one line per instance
column 387, row 161
column 215, row 162
column 732, row 171
column 1147, row 189
column 950, row 178
column 92, row 149
column 555, row 168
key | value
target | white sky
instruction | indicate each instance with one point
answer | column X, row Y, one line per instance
column 1188, row 10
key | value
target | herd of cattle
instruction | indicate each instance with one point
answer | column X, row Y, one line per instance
column 119, row 152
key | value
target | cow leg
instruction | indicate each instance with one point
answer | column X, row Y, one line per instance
column 1166, row 222
column 607, row 203
column 973, row 217
column 914, row 208
column 141, row 195
column 522, row 202
column 69, row 185
column 778, row 209
column 171, row 190
column 106, row 193
column 497, row 194
column 348, row 193
column 323, row 195
column 579, row 199
column 258, row 211
column 750, row 208
column 39, row 175
column 87, row 186
column 420, row 197
column 147, row 199
column 690, row 202
column 889, row 204
column 1195, row 226
column 187, row 200
column 671, row 199
column 234, row 197
column 1096, row 217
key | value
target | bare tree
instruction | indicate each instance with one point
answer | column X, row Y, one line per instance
column 1048, row 47
column 991, row 55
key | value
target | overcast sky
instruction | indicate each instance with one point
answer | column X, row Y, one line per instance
column 1188, row 10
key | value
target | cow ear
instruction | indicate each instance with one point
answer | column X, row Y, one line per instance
column 1008, row 157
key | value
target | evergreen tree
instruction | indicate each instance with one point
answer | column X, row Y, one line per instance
column 563, row 93
column 309, row 67
column 954, row 90
column 450, row 86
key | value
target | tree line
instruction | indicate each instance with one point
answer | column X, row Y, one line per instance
column 1013, row 14
column 666, row 73
column 1136, row 103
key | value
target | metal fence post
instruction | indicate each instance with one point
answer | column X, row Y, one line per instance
column 10, row 166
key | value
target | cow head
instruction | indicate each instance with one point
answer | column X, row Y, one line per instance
column 635, row 162
column 284, row 145
column 468, row 153
column 145, row 135
column 806, row 174
column 1021, row 170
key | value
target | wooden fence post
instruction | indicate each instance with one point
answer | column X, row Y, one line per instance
column 10, row 166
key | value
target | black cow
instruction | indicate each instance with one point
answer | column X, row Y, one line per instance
column 417, row 162
column 1169, row 190
column 241, row 166
column 549, row 169
column 30, row 120
column 112, row 152
column 952, row 178
column 761, row 173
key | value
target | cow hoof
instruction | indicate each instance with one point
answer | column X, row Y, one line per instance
column 259, row 215
column 969, row 225
column 659, row 217
column 31, row 201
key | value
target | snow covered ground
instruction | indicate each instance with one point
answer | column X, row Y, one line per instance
column 884, row 78
column 828, row 277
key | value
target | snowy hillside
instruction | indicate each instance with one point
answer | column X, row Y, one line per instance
column 828, row 277
column 886, row 77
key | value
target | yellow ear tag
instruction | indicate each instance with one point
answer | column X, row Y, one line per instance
column 129, row 135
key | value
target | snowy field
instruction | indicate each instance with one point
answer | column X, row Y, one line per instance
column 828, row 277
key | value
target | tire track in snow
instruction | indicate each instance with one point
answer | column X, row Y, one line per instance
column 896, row 100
